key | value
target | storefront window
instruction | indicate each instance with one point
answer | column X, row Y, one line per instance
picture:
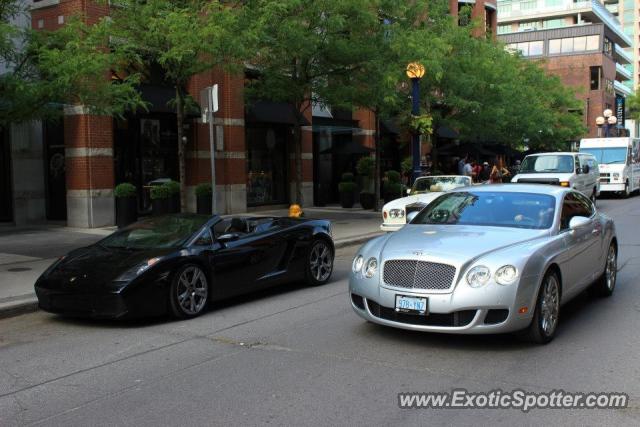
column 267, row 165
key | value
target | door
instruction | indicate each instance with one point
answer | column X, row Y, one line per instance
column 248, row 263
column 582, row 255
column 56, row 187
column 6, row 197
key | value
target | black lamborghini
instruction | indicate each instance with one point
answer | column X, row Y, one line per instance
column 178, row 263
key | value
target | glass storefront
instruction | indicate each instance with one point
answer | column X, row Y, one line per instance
column 267, row 164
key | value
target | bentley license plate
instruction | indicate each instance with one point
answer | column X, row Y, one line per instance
column 413, row 305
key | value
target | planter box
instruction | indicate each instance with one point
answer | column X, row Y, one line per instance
column 367, row 200
column 347, row 199
column 126, row 211
column 160, row 206
column 174, row 203
column 203, row 204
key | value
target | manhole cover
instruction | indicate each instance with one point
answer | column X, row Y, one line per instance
column 18, row 269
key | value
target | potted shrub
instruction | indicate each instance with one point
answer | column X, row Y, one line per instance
column 365, row 169
column 126, row 204
column 392, row 187
column 160, row 199
column 203, row 198
column 173, row 187
column 347, row 189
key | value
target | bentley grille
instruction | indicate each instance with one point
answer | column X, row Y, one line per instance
column 412, row 274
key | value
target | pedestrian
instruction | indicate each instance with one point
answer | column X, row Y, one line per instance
column 468, row 169
column 485, row 173
column 498, row 172
column 461, row 163
column 477, row 170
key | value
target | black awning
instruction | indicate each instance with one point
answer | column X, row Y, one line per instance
column 273, row 112
column 350, row 147
column 329, row 122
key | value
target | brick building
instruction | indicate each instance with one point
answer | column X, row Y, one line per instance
column 579, row 41
column 85, row 156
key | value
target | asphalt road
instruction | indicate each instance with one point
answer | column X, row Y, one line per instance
column 299, row 356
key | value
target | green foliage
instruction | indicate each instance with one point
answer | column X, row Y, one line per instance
column 365, row 166
column 394, row 188
column 347, row 177
column 160, row 192
column 393, row 176
column 173, row 187
column 203, row 189
column 421, row 125
column 347, row 187
column 406, row 165
column 125, row 190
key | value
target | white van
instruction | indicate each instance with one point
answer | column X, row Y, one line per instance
column 619, row 160
column 574, row 170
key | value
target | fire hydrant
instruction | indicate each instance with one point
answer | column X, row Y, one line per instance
column 295, row 211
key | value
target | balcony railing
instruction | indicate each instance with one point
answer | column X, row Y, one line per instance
column 622, row 88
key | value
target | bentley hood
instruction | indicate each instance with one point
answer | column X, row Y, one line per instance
column 457, row 244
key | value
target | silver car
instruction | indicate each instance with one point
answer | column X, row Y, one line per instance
column 487, row 259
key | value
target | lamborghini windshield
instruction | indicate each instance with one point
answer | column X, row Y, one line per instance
column 154, row 233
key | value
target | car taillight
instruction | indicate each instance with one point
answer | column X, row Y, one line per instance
column 384, row 214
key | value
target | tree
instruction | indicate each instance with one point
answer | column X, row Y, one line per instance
column 302, row 49
column 180, row 38
column 48, row 69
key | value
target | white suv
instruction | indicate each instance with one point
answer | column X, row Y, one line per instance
column 575, row 170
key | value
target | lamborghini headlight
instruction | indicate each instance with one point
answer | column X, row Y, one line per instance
column 134, row 272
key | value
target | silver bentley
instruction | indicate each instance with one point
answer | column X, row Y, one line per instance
column 487, row 259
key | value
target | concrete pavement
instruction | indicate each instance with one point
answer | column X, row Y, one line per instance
column 300, row 356
column 25, row 252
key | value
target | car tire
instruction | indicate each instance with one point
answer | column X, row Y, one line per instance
column 626, row 193
column 606, row 283
column 189, row 292
column 319, row 266
column 546, row 314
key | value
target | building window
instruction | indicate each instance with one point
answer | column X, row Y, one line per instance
column 609, row 86
column 593, row 42
column 504, row 8
column 553, row 23
column 594, row 73
column 567, row 45
column 503, row 29
column 40, row 23
column 552, row 3
column 528, row 4
column 608, row 47
column 525, row 26
column 554, row 46
column 535, row 48
column 579, row 44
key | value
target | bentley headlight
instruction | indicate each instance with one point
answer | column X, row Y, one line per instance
column 478, row 276
column 357, row 263
column 396, row 213
column 506, row 275
column 371, row 267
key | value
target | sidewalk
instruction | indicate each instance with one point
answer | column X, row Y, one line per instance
column 25, row 252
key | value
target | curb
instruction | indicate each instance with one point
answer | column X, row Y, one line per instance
column 29, row 303
column 23, row 305
column 356, row 240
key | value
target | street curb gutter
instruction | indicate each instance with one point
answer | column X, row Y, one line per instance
column 29, row 303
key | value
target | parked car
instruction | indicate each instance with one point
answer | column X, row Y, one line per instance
column 487, row 259
column 572, row 170
column 179, row 263
column 618, row 161
column 423, row 191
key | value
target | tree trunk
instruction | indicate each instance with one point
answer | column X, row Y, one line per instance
column 298, row 160
column 181, row 149
column 378, row 155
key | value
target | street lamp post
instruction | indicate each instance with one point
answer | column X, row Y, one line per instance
column 607, row 120
column 415, row 71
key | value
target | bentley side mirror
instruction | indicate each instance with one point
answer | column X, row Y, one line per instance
column 577, row 222
column 411, row 216
column 229, row 237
